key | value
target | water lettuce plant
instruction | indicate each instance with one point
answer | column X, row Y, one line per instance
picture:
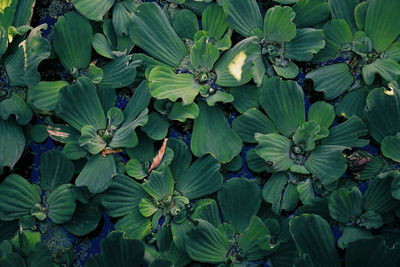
column 199, row 132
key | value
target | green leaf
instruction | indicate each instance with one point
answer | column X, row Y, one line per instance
column 134, row 168
column 274, row 149
column 351, row 234
column 120, row 72
column 378, row 196
column 79, row 105
column 243, row 16
column 371, row 252
column 234, row 68
column 61, row 204
column 182, row 157
column 200, row 179
column 333, row 80
column 381, row 15
column 12, row 143
column 118, row 251
column 387, row 68
column 390, row 147
column 307, row 42
column 344, row 10
column 15, row 105
column 146, row 207
column 55, row 169
column 233, row 208
column 383, row 113
column 214, row 21
column 347, row 133
column 327, row 163
column 371, row 219
column 97, row 174
column 278, row 24
column 72, row 54
column 94, row 10
column 345, row 204
column 134, row 225
column 166, row 84
column 84, row 220
column 22, row 65
column 121, row 19
column 280, row 193
column 251, row 122
column 288, row 72
column 156, row 128
column 283, row 101
column 255, row 240
column 322, row 113
column 152, row 32
column 308, row 134
column 246, row 97
column 122, row 196
column 212, row 121
column 44, row 95
column 207, row 244
column 18, row 197
column 181, row 113
column 203, row 55
column 160, row 184
column 308, row 230
column 185, row 23
column 91, row 141
column 310, row 13
column 352, row 103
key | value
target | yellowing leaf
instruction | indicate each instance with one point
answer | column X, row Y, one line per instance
column 236, row 65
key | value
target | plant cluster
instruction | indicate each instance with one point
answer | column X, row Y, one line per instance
column 226, row 132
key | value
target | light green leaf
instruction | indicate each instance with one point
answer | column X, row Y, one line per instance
column 243, row 16
column 318, row 159
column 322, row 113
column 274, row 149
column 61, row 204
column 333, row 80
column 214, row 21
column 251, row 122
column 160, row 184
column 97, row 174
column 73, row 54
column 234, row 68
column 134, row 225
column 203, row 55
column 18, row 197
column 93, row 9
column 134, row 168
column 308, row 41
column 79, row 105
column 387, row 68
column 15, row 105
column 308, row 134
column 157, row 127
column 344, row 204
column 348, row 133
column 380, row 15
column 152, row 32
column 91, row 141
column 288, row 72
column 166, row 84
column 278, row 24
column 283, row 101
column 180, row 112
column 212, row 121
column 44, row 95
column 207, row 244
column 122, row 196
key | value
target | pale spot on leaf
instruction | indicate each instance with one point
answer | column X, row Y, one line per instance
column 236, row 65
